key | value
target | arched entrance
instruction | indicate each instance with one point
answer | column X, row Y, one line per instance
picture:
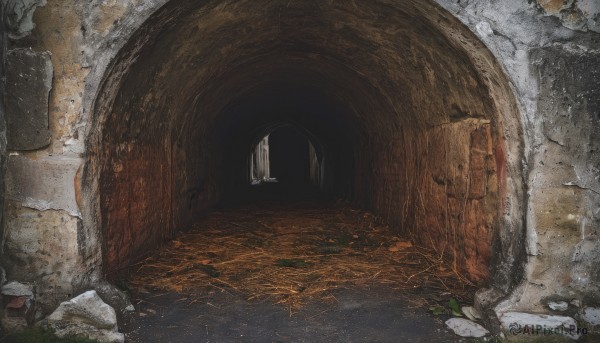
column 413, row 108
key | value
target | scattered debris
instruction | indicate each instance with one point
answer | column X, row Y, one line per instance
column 290, row 255
column 591, row 315
column 466, row 328
column 400, row 246
column 558, row 306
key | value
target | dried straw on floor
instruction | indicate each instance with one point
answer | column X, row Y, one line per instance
column 291, row 255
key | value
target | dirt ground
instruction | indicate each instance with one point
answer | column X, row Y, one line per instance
column 301, row 272
column 359, row 315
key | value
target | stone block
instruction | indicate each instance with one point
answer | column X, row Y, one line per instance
column 17, row 289
column 44, row 183
column 28, row 84
column 31, row 238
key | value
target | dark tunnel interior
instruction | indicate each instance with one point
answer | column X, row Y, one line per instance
column 402, row 103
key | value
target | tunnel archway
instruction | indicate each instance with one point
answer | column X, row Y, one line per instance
column 292, row 151
column 418, row 119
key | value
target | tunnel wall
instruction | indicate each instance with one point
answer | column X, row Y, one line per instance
column 550, row 175
column 441, row 186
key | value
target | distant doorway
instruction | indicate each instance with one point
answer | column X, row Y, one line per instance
column 285, row 156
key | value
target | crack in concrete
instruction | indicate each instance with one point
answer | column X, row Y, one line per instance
column 572, row 184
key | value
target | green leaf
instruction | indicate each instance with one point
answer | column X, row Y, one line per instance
column 453, row 304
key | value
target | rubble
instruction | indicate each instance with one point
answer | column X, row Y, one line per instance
column 466, row 328
column 88, row 316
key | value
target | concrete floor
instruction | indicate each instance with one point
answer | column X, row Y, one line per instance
column 359, row 315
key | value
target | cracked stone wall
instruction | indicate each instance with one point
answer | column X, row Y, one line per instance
column 544, row 243
column 550, row 49
column 44, row 242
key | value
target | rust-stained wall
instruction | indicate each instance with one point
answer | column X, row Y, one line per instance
column 137, row 208
column 440, row 186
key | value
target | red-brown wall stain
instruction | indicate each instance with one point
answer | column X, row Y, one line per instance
column 440, row 186
column 77, row 186
column 136, row 206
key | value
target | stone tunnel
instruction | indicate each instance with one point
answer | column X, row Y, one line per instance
column 471, row 125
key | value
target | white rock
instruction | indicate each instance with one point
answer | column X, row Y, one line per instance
column 591, row 315
column 519, row 322
column 466, row 328
column 558, row 306
column 17, row 289
column 576, row 302
column 86, row 316
column 467, row 312
column 86, row 308
column 471, row 312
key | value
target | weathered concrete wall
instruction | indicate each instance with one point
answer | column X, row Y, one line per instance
column 15, row 22
column 44, row 240
column 122, row 114
column 565, row 179
column 550, row 53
